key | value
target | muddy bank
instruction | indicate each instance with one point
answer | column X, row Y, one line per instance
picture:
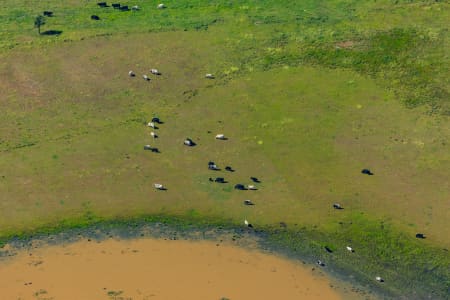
column 149, row 268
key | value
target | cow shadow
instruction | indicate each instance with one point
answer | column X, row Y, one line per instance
column 51, row 32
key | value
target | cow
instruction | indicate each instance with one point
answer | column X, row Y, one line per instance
column 229, row 169
column 135, row 7
column 161, row 6
column 153, row 134
column 350, row 249
column 115, row 5
column 94, row 17
column 210, row 76
column 249, row 225
column 420, row 236
column 220, row 137
column 379, row 279
column 156, row 120
column 47, row 13
column 146, row 77
column 102, row 4
column 239, row 187
column 124, row 8
column 328, row 249
column 320, row 263
column 251, row 187
column 159, row 186
column 131, row 74
column 248, row 202
column 366, row 172
column 254, row 179
column 213, row 166
column 337, row 206
column 220, row 180
column 189, row 142
column 155, row 72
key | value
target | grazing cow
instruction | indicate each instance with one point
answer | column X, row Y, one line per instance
column 320, row 263
column 131, row 74
column 210, row 179
column 124, row 8
column 48, row 13
column 115, row 5
column 252, row 187
column 379, row 279
column 366, row 171
column 240, row 187
column 135, row 7
column 248, row 202
column 249, row 225
column 154, row 135
column 213, row 166
column 220, row 180
column 350, row 249
column 254, row 179
column 155, row 150
column 337, row 206
column 159, row 186
column 161, row 6
column 220, row 137
column 210, row 76
column 155, row 72
column 147, row 147
column 151, row 124
column 420, row 236
column 156, row 120
column 94, row 17
column 189, row 142
column 328, row 249
column 102, row 4
column 229, row 169
column 146, row 77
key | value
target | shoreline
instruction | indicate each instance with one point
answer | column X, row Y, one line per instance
column 297, row 245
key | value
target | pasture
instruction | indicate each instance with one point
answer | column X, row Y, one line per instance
column 308, row 93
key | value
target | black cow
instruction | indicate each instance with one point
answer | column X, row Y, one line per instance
column 366, row 171
column 220, row 180
column 94, row 17
column 102, row 4
column 420, row 236
column 240, row 187
column 48, row 13
column 254, row 179
column 328, row 249
column 124, row 8
column 229, row 169
column 156, row 120
column 116, row 5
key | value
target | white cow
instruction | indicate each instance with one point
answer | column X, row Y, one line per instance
column 252, row 187
column 145, row 77
column 161, row 6
column 135, row 7
column 151, row 124
column 379, row 279
column 131, row 74
column 350, row 249
column 155, row 72
column 220, row 137
column 154, row 135
column 210, row 76
column 158, row 186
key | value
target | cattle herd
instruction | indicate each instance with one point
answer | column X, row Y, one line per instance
column 212, row 166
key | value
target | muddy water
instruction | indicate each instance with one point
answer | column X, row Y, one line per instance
column 156, row 269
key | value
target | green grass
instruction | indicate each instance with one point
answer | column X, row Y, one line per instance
column 309, row 93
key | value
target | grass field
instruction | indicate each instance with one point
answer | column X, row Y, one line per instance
column 309, row 93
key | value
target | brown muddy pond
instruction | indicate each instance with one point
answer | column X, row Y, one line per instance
column 157, row 269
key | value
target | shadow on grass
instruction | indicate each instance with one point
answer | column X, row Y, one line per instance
column 51, row 32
